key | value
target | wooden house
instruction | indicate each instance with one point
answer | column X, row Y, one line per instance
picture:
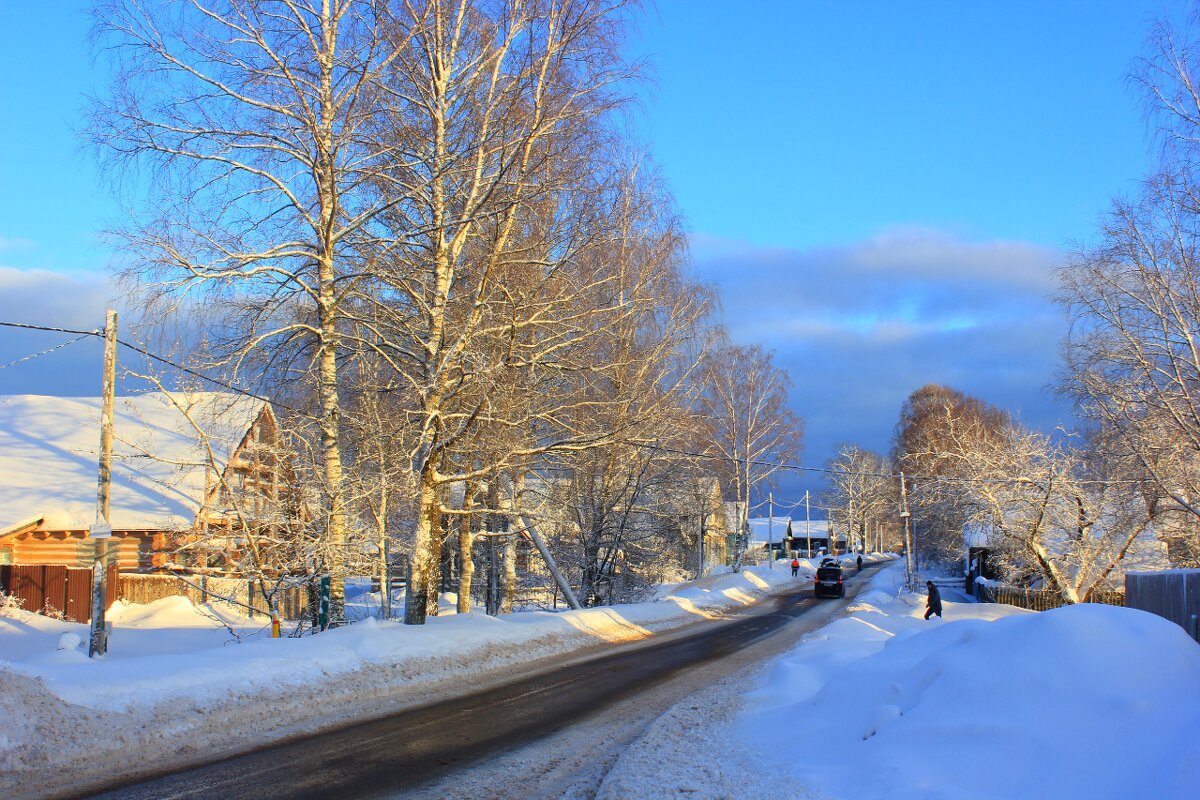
column 179, row 461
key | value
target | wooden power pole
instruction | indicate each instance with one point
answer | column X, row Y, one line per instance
column 908, row 544
column 771, row 529
column 101, row 531
column 807, row 528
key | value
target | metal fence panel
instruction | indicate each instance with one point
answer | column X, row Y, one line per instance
column 1173, row 595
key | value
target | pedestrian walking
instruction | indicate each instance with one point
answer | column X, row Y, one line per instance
column 860, row 563
column 934, row 604
column 795, row 567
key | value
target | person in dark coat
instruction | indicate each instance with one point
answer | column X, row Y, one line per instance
column 934, row 604
column 860, row 563
column 795, row 566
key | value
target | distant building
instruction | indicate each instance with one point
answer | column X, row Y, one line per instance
column 814, row 532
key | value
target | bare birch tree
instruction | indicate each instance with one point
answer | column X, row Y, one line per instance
column 864, row 493
column 253, row 128
column 1132, row 357
column 752, row 432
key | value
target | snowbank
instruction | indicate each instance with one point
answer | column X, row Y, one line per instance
column 177, row 683
column 1083, row 701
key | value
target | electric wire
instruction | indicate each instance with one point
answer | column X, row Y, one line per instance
column 160, row 359
column 45, row 352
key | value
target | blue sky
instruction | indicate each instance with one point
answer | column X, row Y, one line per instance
column 880, row 190
column 806, row 123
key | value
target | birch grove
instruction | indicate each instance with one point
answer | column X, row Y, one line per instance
column 423, row 228
column 864, row 497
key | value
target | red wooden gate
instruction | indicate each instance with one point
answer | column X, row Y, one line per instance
column 49, row 587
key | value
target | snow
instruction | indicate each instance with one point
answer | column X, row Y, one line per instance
column 992, row 701
column 214, row 679
column 48, row 457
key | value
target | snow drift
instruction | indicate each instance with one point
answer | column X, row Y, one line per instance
column 1083, row 701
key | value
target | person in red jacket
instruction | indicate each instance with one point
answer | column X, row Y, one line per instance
column 795, row 567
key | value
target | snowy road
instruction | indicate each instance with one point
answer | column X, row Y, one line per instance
column 554, row 734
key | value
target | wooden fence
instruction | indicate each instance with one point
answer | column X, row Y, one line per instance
column 243, row 594
column 1039, row 599
column 55, row 589
column 1173, row 595
column 68, row 591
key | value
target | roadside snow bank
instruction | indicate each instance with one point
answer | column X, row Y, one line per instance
column 1083, row 701
column 176, row 683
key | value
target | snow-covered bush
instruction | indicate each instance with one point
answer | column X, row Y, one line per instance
column 11, row 606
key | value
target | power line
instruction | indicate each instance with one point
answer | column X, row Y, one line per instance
column 45, row 352
column 155, row 357
column 27, row 326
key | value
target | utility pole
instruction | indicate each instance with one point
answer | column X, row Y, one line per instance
column 101, row 530
column 807, row 528
column 771, row 529
column 908, row 549
column 850, row 527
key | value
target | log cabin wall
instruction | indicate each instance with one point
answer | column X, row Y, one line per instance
column 131, row 551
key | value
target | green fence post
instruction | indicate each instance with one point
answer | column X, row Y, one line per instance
column 323, row 617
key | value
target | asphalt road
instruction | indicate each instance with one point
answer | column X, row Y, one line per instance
column 396, row 755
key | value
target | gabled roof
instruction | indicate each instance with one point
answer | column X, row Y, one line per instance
column 760, row 527
column 49, row 452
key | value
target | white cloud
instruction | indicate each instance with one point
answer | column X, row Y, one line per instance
column 902, row 277
column 8, row 243
column 60, row 299
column 860, row 326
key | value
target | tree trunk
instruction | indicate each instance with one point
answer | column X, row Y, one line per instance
column 385, row 584
column 433, row 578
column 509, row 585
column 466, row 551
column 331, row 449
column 419, row 567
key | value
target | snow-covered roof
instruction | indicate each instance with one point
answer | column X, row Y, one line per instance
column 49, row 452
column 761, row 526
column 764, row 528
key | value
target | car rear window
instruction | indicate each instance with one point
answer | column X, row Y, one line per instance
column 829, row 573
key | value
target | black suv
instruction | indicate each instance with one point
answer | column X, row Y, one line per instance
column 829, row 582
